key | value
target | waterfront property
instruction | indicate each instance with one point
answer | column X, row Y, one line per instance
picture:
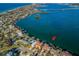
column 14, row 41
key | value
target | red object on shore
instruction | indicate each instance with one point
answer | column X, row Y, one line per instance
column 53, row 37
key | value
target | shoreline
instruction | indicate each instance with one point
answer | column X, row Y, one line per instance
column 21, row 37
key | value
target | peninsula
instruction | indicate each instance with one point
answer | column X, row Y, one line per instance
column 13, row 40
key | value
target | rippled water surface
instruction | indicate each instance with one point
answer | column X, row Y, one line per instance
column 64, row 24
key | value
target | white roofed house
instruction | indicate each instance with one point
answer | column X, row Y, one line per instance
column 18, row 32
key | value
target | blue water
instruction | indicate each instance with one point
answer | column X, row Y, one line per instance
column 10, row 6
column 62, row 24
